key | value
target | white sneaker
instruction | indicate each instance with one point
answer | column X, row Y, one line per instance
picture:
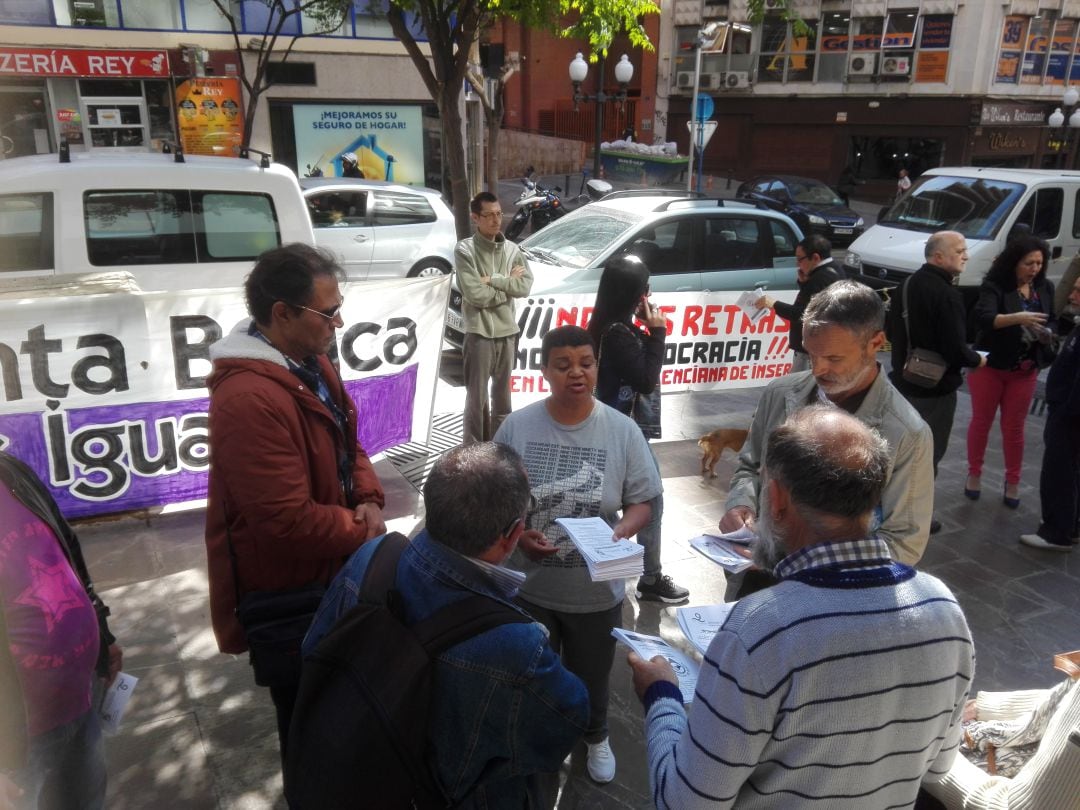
column 601, row 762
column 1035, row 541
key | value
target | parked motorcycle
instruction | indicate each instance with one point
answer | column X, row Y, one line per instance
column 540, row 205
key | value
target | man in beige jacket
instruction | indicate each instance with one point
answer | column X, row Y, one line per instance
column 491, row 272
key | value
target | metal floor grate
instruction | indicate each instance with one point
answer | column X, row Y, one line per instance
column 414, row 461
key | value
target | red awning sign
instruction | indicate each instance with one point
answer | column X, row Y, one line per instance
column 72, row 62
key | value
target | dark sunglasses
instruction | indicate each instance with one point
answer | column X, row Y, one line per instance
column 329, row 314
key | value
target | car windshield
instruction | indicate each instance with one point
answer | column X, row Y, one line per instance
column 575, row 241
column 973, row 206
column 809, row 193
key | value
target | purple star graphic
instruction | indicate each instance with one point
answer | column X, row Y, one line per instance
column 54, row 591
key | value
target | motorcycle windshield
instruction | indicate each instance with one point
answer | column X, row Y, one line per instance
column 576, row 240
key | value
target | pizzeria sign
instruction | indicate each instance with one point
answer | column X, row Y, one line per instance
column 80, row 62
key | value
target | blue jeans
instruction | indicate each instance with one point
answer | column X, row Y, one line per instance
column 65, row 767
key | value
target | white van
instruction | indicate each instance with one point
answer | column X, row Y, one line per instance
column 987, row 206
column 173, row 224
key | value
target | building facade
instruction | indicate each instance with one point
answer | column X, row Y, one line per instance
column 873, row 85
column 109, row 75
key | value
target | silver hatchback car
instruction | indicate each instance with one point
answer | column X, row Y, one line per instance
column 381, row 230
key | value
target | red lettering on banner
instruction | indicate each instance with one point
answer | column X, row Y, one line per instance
column 527, row 384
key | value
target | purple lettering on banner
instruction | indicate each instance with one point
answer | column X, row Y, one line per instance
column 117, row 458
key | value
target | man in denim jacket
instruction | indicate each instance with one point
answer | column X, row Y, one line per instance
column 504, row 710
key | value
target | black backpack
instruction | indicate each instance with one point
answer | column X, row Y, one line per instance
column 358, row 737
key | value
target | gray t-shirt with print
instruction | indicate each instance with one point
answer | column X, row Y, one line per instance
column 592, row 468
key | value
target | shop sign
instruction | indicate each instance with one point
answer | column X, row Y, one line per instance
column 72, row 62
column 1005, row 141
column 1011, row 115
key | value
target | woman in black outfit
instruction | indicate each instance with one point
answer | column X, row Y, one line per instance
column 629, row 373
column 1014, row 314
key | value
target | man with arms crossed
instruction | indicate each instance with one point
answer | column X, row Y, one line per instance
column 842, row 332
column 841, row 687
column 491, row 272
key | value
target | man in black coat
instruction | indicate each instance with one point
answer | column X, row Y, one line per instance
column 936, row 321
column 1059, row 481
column 817, row 271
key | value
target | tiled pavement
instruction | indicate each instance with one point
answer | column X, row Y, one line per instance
column 200, row 735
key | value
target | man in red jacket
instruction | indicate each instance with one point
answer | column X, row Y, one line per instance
column 292, row 494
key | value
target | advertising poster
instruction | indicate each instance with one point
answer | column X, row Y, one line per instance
column 1061, row 46
column 105, row 395
column 388, row 140
column 1011, row 50
column 210, row 116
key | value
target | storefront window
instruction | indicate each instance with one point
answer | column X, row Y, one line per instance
column 24, row 129
column 1061, row 46
column 786, row 56
column 882, row 158
column 1013, row 35
column 935, row 39
column 832, row 63
column 1038, row 44
column 27, row 12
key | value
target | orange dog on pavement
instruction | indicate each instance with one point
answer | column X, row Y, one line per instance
column 712, row 446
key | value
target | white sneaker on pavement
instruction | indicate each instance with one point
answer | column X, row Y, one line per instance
column 601, row 761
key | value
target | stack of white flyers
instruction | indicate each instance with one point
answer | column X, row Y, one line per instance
column 726, row 549
column 648, row 647
column 746, row 302
column 700, row 624
column 605, row 558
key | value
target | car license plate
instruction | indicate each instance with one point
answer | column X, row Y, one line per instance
column 454, row 321
column 844, row 231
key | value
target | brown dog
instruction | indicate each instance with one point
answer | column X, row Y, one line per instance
column 712, row 446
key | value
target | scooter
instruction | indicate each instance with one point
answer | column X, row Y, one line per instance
column 541, row 205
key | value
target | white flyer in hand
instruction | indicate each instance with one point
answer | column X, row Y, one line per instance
column 746, row 301
column 606, row 558
column 115, row 701
column 700, row 624
column 723, row 551
column 650, row 646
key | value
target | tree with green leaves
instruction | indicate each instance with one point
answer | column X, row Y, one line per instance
column 452, row 27
column 282, row 17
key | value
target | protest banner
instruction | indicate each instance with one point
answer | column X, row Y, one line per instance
column 711, row 343
column 104, row 395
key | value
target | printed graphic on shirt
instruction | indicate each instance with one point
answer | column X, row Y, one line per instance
column 566, row 482
column 53, row 590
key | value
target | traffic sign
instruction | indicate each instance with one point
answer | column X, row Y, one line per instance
column 707, row 128
column 705, row 107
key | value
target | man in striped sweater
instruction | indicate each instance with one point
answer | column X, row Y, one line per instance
column 842, row 686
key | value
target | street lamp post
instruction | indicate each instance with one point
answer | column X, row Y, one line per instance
column 1059, row 133
column 706, row 40
column 579, row 70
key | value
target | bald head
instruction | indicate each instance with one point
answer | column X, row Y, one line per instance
column 947, row 250
column 830, row 463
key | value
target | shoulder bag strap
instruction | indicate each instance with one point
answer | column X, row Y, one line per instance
column 904, row 315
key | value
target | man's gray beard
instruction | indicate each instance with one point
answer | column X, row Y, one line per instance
column 769, row 548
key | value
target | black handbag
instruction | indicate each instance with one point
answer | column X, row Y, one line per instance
column 923, row 367
column 275, row 623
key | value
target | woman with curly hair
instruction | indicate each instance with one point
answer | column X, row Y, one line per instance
column 1014, row 315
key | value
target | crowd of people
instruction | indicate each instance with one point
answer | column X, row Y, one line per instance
column 838, row 680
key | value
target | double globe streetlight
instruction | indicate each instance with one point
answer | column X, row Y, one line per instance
column 579, row 70
column 1059, row 135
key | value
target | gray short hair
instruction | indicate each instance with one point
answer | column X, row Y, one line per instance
column 936, row 242
column 831, row 463
column 849, row 305
column 472, row 494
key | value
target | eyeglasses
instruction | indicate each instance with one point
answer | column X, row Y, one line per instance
column 490, row 215
column 799, row 258
column 329, row 314
column 510, row 527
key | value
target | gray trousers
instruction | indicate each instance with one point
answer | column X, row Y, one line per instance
column 587, row 648
column 486, row 360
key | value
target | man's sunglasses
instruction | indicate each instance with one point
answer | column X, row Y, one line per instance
column 329, row 314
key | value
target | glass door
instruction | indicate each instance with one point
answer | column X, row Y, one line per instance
column 116, row 123
column 24, row 125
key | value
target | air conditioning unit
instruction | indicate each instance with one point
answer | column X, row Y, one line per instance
column 684, row 78
column 861, row 64
column 710, row 81
column 735, row 79
column 895, row 66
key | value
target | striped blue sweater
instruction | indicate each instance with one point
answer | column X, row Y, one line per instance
column 838, row 688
